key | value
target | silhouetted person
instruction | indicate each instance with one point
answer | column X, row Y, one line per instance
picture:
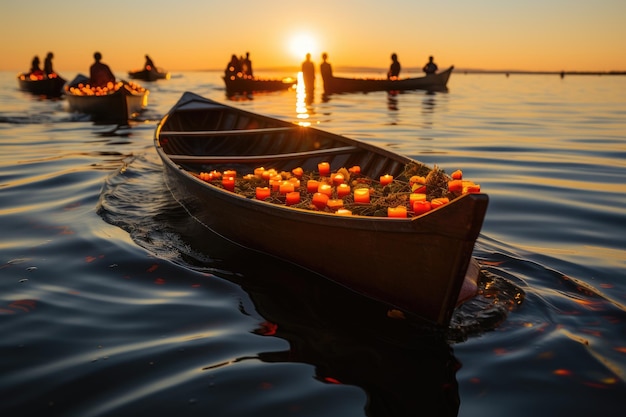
column 394, row 68
column 233, row 69
column 246, row 66
column 99, row 73
column 308, row 73
column 430, row 67
column 149, row 65
column 47, row 64
column 34, row 66
column 326, row 70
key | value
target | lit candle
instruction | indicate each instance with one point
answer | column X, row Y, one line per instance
column 344, row 212
column 295, row 182
column 325, row 189
column 334, row 204
column 292, row 198
column 262, row 193
column 297, row 172
column 399, row 212
column 320, row 200
column 323, row 168
column 230, row 173
column 268, row 174
column 386, row 179
column 312, row 186
column 259, row 172
column 438, row 202
column 355, row 170
column 417, row 184
column 228, row 183
column 416, row 197
column 215, row 175
column 362, row 195
column 285, row 187
column 338, row 179
column 343, row 190
column 275, row 182
column 421, row 207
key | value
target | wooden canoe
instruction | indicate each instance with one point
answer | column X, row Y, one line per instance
column 252, row 85
column 153, row 74
column 115, row 107
column 50, row 86
column 433, row 82
column 417, row 265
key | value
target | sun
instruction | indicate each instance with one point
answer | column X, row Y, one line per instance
column 302, row 44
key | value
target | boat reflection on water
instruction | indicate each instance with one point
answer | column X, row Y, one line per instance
column 404, row 368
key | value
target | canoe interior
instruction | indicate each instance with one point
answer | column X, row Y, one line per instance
column 293, row 140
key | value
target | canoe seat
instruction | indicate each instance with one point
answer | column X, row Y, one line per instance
column 205, row 133
column 239, row 159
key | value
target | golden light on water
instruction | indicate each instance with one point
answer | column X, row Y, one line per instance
column 301, row 102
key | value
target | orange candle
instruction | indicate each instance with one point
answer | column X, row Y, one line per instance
column 421, row 207
column 334, row 204
column 343, row 190
column 312, row 186
column 338, row 179
column 285, row 187
column 297, row 172
column 262, row 193
column 344, row 212
column 268, row 174
column 230, row 173
column 438, row 202
column 323, row 168
column 259, row 172
column 417, row 184
column 398, row 212
column 325, row 189
column 355, row 170
column 320, row 200
column 295, row 182
column 362, row 195
column 292, row 198
column 214, row 175
column 275, row 182
column 228, row 183
column 386, row 179
column 416, row 197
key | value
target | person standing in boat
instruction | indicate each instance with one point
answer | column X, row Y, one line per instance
column 233, row 69
column 149, row 65
column 34, row 66
column 326, row 70
column 99, row 73
column 47, row 64
column 394, row 68
column 430, row 67
column 308, row 74
column 246, row 66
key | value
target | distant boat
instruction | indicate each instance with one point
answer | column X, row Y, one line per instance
column 421, row 265
column 123, row 103
column 151, row 74
column 254, row 84
column 41, row 85
column 435, row 82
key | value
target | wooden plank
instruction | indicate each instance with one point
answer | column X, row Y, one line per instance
column 227, row 132
column 181, row 159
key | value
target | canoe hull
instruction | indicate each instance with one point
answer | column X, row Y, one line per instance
column 149, row 75
column 117, row 107
column 417, row 265
column 433, row 82
column 252, row 85
column 50, row 87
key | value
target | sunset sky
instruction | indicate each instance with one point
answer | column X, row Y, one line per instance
column 535, row 35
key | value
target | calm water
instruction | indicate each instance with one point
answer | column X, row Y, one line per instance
column 106, row 309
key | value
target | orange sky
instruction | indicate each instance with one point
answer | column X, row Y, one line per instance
column 547, row 35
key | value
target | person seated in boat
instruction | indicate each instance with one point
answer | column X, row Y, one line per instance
column 246, row 66
column 308, row 73
column 47, row 64
column 34, row 66
column 99, row 73
column 394, row 68
column 149, row 65
column 233, row 69
column 430, row 67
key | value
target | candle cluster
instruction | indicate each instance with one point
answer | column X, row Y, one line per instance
column 88, row 90
column 345, row 191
